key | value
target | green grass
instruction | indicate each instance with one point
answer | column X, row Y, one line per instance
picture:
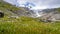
column 27, row 25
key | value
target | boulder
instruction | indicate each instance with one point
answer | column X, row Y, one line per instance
column 1, row 14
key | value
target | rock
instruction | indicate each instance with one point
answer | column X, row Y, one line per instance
column 1, row 14
column 13, row 17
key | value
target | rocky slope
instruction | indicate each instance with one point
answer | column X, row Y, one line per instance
column 50, row 14
column 10, row 10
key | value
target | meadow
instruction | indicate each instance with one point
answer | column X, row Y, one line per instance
column 27, row 25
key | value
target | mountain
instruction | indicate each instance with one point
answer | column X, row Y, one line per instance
column 9, row 9
column 12, row 10
column 50, row 14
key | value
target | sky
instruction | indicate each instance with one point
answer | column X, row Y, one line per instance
column 39, row 4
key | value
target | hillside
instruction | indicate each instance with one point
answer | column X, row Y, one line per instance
column 6, row 7
column 13, row 10
column 14, row 23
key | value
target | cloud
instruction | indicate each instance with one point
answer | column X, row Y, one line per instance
column 11, row 1
column 42, row 4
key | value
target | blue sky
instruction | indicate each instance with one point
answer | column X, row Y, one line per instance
column 39, row 4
